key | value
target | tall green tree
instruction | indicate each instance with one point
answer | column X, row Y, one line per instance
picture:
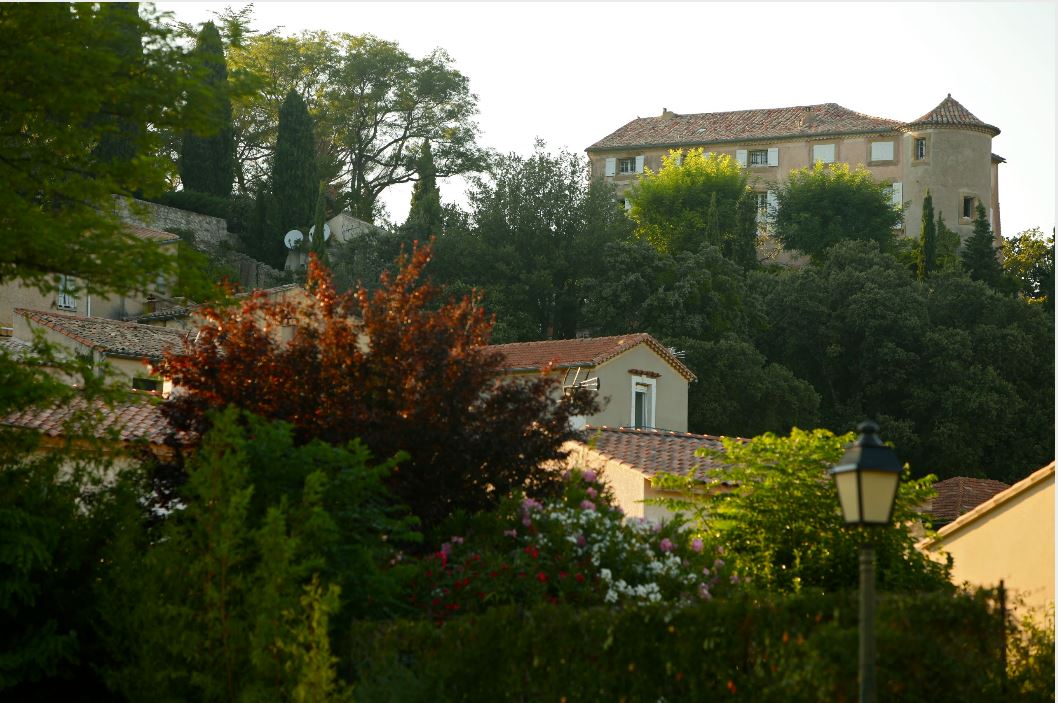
column 56, row 192
column 207, row 159
column 948, row 243
column 979, row 255
column 119, row 141
column 317, row 239
column 294, row 178
column 781, row 524
column 826, row 204
column 536, row 227
column 694, row 199
column 927, row 243
column 1028, row 260
column 426, row 216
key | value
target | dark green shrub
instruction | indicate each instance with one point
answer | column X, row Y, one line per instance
column 935, row 647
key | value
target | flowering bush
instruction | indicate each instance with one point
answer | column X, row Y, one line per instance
column 578, row 548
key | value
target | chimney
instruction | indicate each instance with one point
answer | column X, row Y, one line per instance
column 666, row 115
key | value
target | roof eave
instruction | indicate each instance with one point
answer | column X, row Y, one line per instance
column 744, row 140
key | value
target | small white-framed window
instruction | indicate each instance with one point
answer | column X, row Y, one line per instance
column 644, row 401
column 626, row 165
column 969, row 207
column 758, row 157
column 66, row 300
column 882, row 151
column 920, row 149
column 827, row 153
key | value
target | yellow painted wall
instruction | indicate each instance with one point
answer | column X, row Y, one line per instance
column 615, row 383
column 1013, row 542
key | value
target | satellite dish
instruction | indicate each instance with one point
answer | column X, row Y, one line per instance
column 293, row 238
column 326, row 231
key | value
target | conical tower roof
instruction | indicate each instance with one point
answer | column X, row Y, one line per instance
column 951, row 113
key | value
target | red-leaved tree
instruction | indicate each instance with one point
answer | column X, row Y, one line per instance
column 397, row 368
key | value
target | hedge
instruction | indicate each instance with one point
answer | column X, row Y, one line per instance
column 933, row 647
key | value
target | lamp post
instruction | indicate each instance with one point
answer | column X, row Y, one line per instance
column 867, row 478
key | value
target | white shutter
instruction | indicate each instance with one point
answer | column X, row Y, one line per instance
column 881, row 151
column 773, row 205
column 823, row 152
column 611, row 167
column 740, row 156
column 898, row 195
column 773, row 156
column 639, row 164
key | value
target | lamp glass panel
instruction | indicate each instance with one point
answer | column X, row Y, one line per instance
column 879, row 490
column 848, row 495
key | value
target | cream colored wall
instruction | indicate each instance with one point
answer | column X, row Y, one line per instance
column 627, row 484
column 616, row 383
column 1014, row 542
column 958, row 163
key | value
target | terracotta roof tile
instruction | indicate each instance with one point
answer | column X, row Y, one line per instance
column 744, row 125
column 655, row 451
column 588, row 351
column 959, row 495
column 951, row 113
column 132, row 421
column 127, row 339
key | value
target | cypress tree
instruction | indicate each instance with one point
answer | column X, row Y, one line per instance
column 927, row 243
column 295, row 181
column 947, row 246
column 979, row 254
column 120, row 140
column 425, row 217
column 207, row 161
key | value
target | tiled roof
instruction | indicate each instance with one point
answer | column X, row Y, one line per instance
column 997, row 159
column 744, row 125
column 654, row 451
column 14, row 346
column 961, row 494
column 152, row 235
column 1025, row 484
column 951, row 113
column 131, row 421
column 127, row 339
column 588, row 351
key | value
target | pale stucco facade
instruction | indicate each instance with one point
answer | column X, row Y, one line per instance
column 953, row 161
column 1008, row 538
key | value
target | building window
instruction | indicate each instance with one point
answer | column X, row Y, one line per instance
column 644, row 401
column 758, row 157
column 882, row 151
column 969, row 204
column 920, row 148
column 626, row 165
column 66, row 300
column 824, row 152
column 147, row 384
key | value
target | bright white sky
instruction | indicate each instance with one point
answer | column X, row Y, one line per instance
column 571, row 73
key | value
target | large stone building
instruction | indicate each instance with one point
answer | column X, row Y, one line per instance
column 947, row 150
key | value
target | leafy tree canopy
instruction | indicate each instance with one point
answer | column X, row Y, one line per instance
column 1028, row 260
column 979, row 255
column 781, row 523
column 696, row 199
column 396, row 368
column 826, row 204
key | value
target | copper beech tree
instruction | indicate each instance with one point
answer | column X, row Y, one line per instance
column 398, row 368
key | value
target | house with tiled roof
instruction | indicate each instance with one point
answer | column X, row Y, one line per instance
column 629, row 459
column 127, row 346
column 639, row 381
column 1008, row 538
column 948, row 150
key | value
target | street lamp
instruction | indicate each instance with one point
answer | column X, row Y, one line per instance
column 867, row 478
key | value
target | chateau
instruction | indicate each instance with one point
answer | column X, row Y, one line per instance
column 947, row 150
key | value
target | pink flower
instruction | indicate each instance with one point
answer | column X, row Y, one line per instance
column 528, row 504
column 527, row 521
column 705, row 571
column 592, row 492
column 720, row 549
column 581, row 541
column 457, row 540
column 666, row 545
column 703, row 592
column 589, row 476
column 510, row 533
column 718, row 564
column 734, row 578
column 446, row 549
column 696, row 545
column 587, row 505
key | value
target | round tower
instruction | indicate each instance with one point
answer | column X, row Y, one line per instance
column 949, row 151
